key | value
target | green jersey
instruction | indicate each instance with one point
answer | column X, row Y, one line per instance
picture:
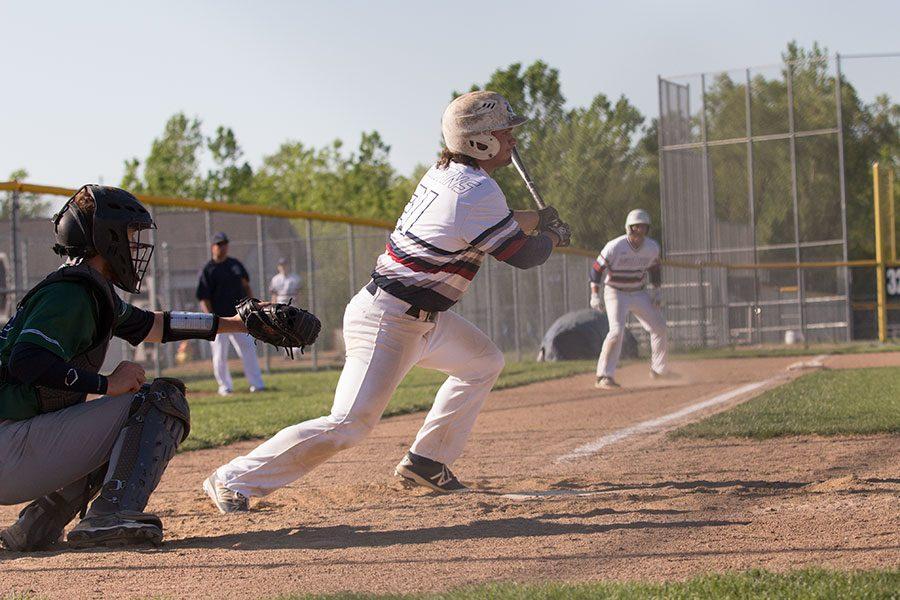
column 61, row 318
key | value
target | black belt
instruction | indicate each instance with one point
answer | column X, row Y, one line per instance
column 413, row 311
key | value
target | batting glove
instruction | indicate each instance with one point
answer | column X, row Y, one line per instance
column 596, row 301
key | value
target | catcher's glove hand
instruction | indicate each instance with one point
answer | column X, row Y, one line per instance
column 281, row 325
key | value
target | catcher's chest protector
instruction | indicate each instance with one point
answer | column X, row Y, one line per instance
column 91, row 359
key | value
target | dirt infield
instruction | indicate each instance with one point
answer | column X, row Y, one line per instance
column 634, row 504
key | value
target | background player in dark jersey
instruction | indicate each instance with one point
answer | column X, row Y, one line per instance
column 56, row 448
column 223, row 283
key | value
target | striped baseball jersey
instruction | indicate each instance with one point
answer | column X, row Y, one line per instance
column 456, row 215
column 624, row 267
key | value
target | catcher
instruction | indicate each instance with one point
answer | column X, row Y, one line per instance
column 58, row 450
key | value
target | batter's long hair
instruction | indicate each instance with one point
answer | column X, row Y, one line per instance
column 447, row 157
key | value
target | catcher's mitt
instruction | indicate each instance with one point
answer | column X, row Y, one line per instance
column 281, row 325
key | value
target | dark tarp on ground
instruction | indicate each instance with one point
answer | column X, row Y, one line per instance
column 579, row 335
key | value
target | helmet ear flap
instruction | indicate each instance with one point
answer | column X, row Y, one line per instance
column 482, row 146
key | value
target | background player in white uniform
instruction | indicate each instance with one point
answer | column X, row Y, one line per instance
column 284, row 285
column 623, row 268
column 400, row 319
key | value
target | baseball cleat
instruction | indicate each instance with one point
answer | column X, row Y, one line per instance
column 225, row 500
column 663, row 375
column 606, row 383
column 124, row 528
column 428, row 473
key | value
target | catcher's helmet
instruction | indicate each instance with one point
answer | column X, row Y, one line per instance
column 469, row 120
column 112, row 230
column 638, row 216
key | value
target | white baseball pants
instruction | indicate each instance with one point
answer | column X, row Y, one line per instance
column 382, row 344
column 618, row 304
column 246, row 351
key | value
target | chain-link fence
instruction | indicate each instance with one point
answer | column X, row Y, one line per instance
column 334, row 259
column 754, row 176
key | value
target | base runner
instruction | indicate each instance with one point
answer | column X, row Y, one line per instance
column 623, row 268
column 400, row 319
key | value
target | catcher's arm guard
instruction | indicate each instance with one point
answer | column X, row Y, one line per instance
column 282, row 325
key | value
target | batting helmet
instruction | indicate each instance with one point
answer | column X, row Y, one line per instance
column 638, row 216
column 112, row 230
column 469, row 120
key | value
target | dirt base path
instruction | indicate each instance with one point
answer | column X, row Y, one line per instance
column 632, row 504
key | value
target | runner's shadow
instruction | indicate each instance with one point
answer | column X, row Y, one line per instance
column 348, row 536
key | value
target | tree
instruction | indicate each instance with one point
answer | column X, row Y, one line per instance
column 30, row 205
column 230, row 178
column 591, row 163
column 172, row 167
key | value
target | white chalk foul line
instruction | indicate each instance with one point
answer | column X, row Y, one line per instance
column 621, row 434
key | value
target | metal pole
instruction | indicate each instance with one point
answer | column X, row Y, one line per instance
column 707, row 196
column 310, row 282
column 660, row 138
column 702, row 306
column 490, row 297
column 25, row 264
column 167, row 284
column 838, row 84
column 351, row 260
column 879, row 259
column 14, row 225
column 153, row 291
column 751, row 194
column 541, row 319
column 517, row 338
column 565, row 282
column 801, row 291
column 207, row 223
column 261, row 265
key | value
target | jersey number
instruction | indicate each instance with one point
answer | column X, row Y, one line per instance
column 418, row 204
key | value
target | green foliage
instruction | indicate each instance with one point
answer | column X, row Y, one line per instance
column 362, row 183
column 593, row 163
column 30, row 205
column 807, row 584
column 844, row 402
column 291, row 397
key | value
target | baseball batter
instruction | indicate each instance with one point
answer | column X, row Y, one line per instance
column 622, row 268
column 456, row 216
column 57, row 450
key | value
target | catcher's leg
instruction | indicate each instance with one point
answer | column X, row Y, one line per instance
column 246, row 350
column 617, row 314
column 158, row 424
column 58, row 458
column 473, row 363
column 381, row 349
column 652, row 320
column 41, row 523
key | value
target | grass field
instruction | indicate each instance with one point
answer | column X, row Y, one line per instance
column 295, row 396
column 798, row 350
column 841, row 402
column 806, row 584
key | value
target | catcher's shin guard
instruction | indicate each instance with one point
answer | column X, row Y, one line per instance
column 41, row 523
column 159, row 423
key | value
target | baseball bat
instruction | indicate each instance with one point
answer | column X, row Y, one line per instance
column 529, row 182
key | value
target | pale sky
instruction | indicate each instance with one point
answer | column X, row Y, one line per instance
column 88, row 84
